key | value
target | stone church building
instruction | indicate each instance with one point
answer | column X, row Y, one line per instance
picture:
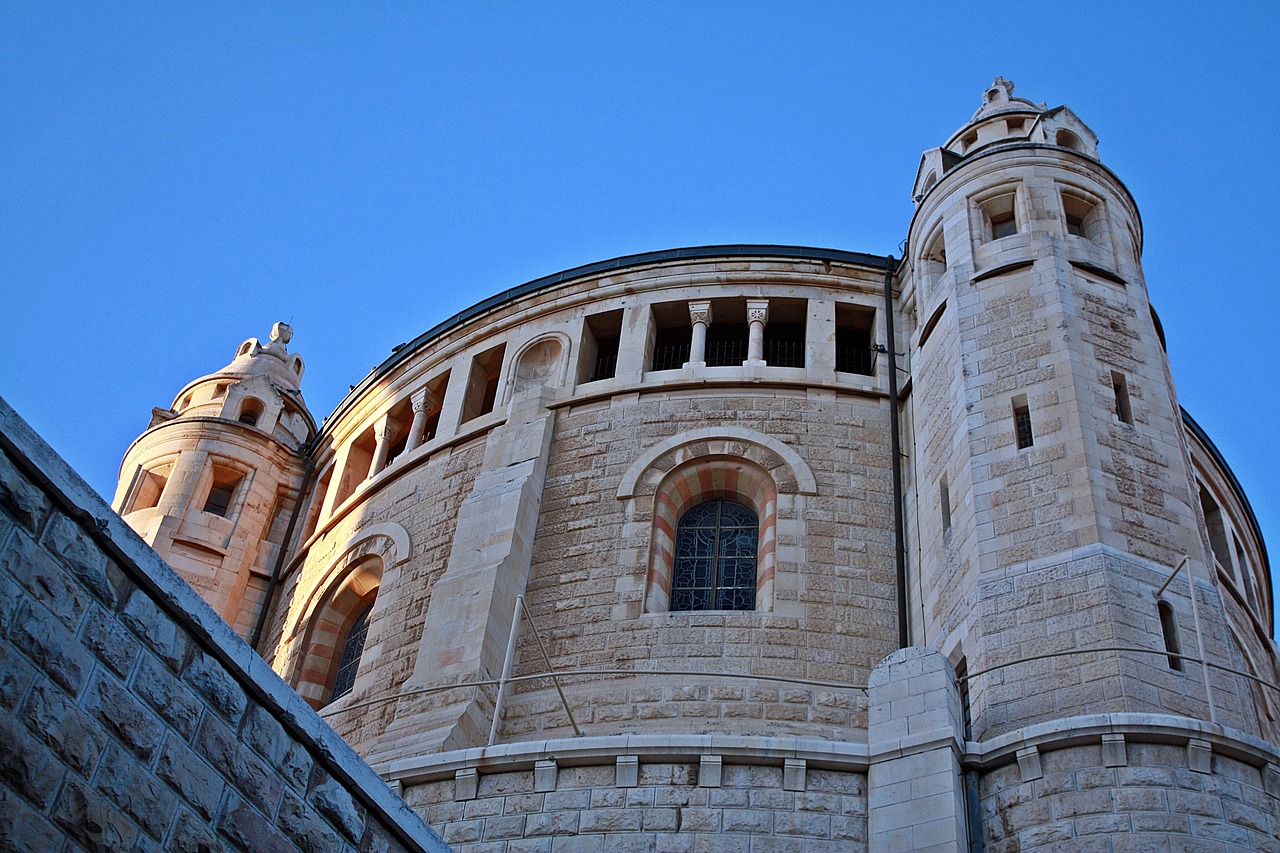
column 757, row 548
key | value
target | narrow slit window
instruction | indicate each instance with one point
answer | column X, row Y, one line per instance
column 944, row 502
column 601, row 338
column 1121, row 389
column 966, row 710
column 1169, row 627
column 482, row 383
column 1022, row 423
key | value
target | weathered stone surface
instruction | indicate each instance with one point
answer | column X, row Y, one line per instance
column 192, row 778
column 64, row 728
column 335, row 803
column 103, row 635
column 305, row 827
column 217, row 687
column 131, row 722
column 91, row 820
column 247, row 830
column 25, row 502
column 81, row 555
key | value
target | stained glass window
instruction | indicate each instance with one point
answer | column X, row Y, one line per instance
column 715, row 564
column 352, row 649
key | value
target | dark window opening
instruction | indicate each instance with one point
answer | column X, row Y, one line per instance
column 671, row 348
column 784, row 345
column 944, row 503
column 1120, row 388
column 966, row 712
column 715, row 558
column 222, row 492
column 853, row 340
column 1169, row 627
column 601, row 336
column 726, row 344
column 482, row 384
column 352, row 649
column 1003, row 225
column 1022, row 425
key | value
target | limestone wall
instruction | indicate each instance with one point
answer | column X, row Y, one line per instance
column 132, row 717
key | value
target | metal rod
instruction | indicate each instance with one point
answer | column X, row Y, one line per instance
column 1204, row 670
column 555, row 679
column 506, row 670
column 899, row 537
column 1172, row 575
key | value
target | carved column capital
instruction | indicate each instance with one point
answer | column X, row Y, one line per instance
column 700, row 312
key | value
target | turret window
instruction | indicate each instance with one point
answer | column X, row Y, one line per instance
column 999, row 216
column 1082, row 216
column 250, row 411
column 222, row 492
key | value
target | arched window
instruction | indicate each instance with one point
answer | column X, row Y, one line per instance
column 352, row 648
column 715, row 558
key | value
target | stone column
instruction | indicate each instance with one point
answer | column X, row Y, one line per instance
column 757, row 316
column 387, row 433
column 915, row 789
column 423, row 401
column 700, row 314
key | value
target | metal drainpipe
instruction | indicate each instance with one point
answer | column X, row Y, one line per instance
column 261, row 622
column 898, row 534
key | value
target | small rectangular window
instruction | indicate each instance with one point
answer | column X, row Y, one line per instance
column 1022, row 423
column 944, row 501
column 1169, row 628
column 223, row 491
column 482, row 384
column 601, row 337
column 1081, row 216
column 148, row 486
column 1000, row 215
column 853, row 339
column 1120, row 388
column 673, row 333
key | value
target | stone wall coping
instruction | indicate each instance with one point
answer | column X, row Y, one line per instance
column 74, row 497
column 1090, row 728
column 605, row 749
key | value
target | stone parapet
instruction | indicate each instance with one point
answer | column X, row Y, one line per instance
column 132, row 717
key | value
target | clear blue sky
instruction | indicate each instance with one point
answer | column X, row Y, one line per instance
column 174, row 177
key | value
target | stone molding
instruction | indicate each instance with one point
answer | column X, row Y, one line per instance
column 805, row 483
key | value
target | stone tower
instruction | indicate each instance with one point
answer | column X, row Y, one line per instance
column 1052, row 469
column 212, row 483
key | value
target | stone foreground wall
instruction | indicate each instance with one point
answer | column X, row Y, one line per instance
column 132, row 717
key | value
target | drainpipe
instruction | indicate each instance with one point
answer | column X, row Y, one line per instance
column 900, row 548
column 261, row 622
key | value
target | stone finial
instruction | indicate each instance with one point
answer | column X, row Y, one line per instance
column 1000, row 91
column 282, row 332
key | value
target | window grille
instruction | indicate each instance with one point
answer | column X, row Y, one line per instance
column 715, row 563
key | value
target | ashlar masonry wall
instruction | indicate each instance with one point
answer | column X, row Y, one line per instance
column 133, row 718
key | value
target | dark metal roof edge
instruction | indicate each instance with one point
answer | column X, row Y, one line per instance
column 1204, row 439
column 618, row 263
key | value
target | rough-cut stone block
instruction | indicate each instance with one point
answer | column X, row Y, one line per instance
column 66, row 729
column 190, row 776
column 109, row 641
column 264, row 734
column 218, row 688
column 18, row 496
column 305, row 827
column 23, row 829
column 78, row 552
column 128, row 784
column 45, row 579
column 335, row 803
column 170, row 698
column 51, row 646
column 247, row 830
column 192, row 835
column 155, row 629
column 91, row 820
column 251, row 776
column 132, row 723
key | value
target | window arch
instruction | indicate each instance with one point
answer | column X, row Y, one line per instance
column 715, row 557
column 333, row 645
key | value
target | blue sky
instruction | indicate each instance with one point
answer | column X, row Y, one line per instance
column 176, row 177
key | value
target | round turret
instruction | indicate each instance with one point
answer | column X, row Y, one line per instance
column 212, row 483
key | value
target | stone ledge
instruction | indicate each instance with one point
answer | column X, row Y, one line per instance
column 1136, row 728
column 568, row 752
